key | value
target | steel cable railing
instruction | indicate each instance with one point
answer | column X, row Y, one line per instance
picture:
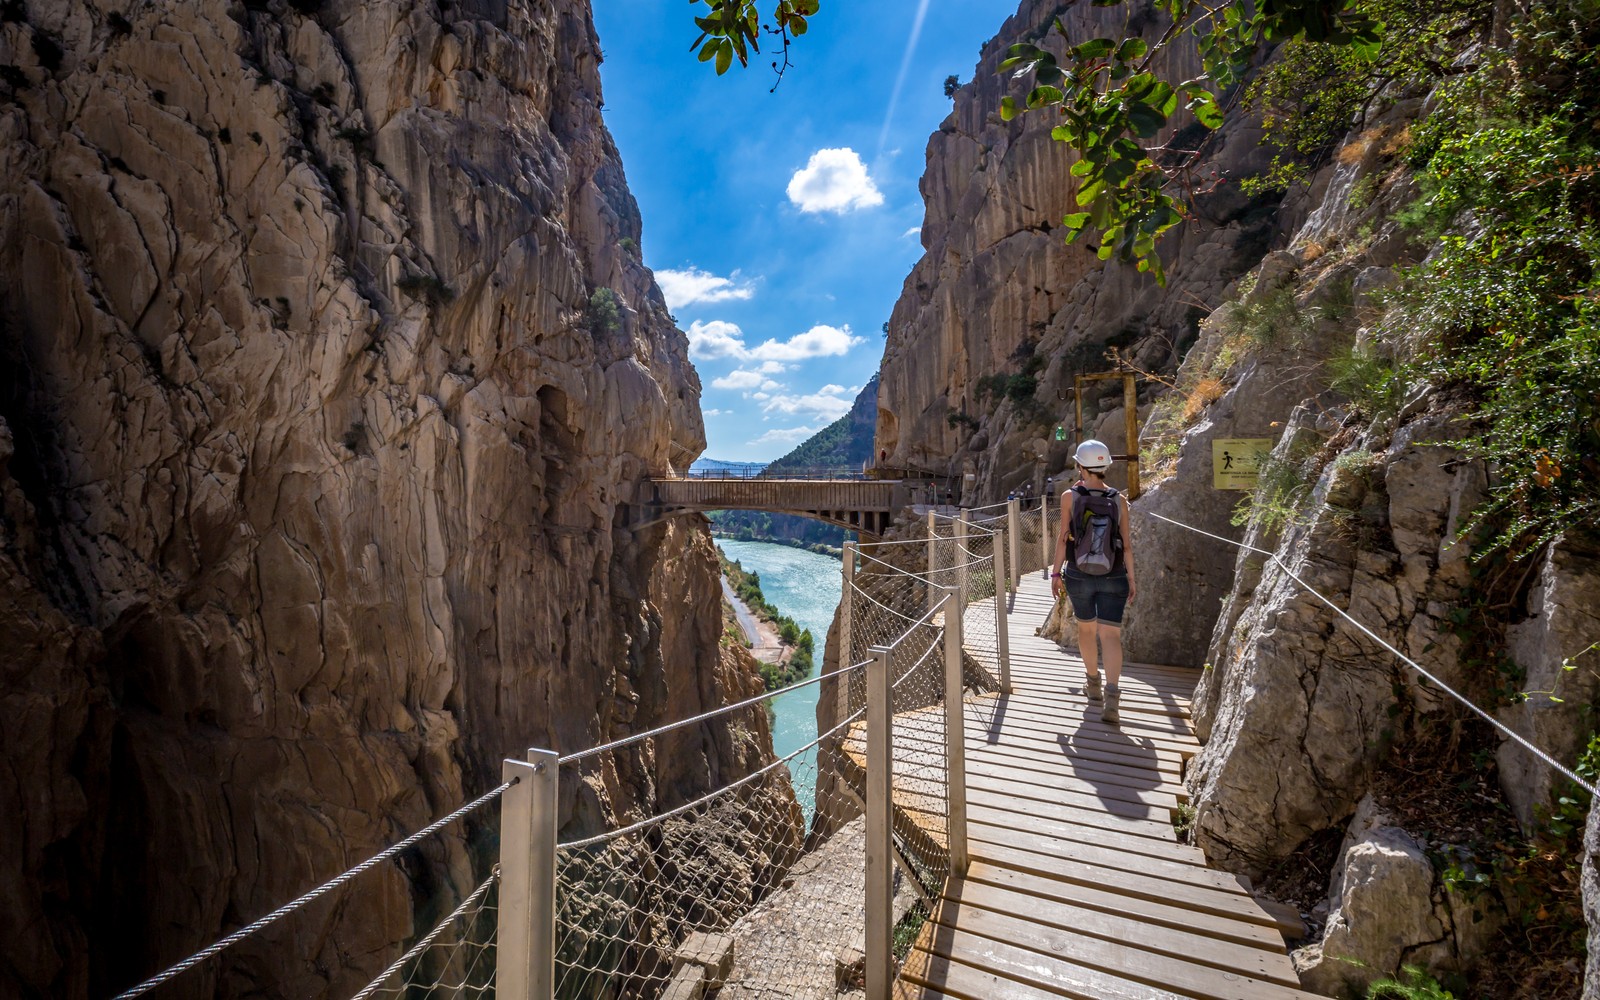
column 1422, row 671
column 645, row 904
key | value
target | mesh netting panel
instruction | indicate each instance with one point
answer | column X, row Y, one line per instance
column 731, row 889
column 454, row 960
column 1032, row 555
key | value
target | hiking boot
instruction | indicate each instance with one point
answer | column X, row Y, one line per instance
column 1093, row 687
column 1108, row 711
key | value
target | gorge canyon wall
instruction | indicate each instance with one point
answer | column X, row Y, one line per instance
column 1298, row 708
column 326, row 364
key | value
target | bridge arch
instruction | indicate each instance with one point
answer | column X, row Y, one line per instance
column 863, row 505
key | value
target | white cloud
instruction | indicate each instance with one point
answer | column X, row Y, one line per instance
column 711, row 413
column 716, row 339
column 818, row 342
column 786, row 435
column 721, row 339
column 760, row 396
column 738, row 380
column 913, row 231
column 686, row 287
column 826, row 403
column 834, row 180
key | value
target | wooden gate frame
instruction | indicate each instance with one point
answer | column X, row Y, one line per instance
column 1130, row 405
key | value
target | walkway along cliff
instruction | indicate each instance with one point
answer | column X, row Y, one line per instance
column 1273, row 300
column 326, row 357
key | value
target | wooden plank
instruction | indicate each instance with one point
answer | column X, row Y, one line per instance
column 1079, row 773
column 1104, row 738
column 1270, row 963
column 1039, row 787
column 1065, row 812
column 1091, row 761
column 1027, row 794
column 1083, row 827
column 1211, row 925
column 1200, row 899
column 1113, row 860
column 1026, row 705
column 1002, row 965
column 1117, row 958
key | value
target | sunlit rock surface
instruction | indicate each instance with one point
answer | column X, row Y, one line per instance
column 327, row 364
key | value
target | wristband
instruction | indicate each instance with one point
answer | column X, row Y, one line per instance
column 1056, row 575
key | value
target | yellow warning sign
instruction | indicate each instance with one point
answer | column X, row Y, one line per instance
column 1235, row 462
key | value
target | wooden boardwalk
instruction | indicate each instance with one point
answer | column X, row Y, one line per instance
column 1078, row 886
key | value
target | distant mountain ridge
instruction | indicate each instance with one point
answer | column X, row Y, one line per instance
column 847, row 441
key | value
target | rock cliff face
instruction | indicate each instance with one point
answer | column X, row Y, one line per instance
column 1297, row 706
column 323, row 368
column 997, row 293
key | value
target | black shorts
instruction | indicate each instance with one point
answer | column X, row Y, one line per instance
column 1096, row 598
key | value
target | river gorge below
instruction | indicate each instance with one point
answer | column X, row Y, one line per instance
column 805, row 586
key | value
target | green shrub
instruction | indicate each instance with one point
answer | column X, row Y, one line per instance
column 604, row 315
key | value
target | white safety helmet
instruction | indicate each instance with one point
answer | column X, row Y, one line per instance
column 1093, row 456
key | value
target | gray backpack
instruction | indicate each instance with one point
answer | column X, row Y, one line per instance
column 1096, row 534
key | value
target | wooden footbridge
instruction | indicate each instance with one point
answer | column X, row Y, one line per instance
column 865, row 505
column 1077, row 884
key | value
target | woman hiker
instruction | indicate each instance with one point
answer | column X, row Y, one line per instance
column 1097, row 549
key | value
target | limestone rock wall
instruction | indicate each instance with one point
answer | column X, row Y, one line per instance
column 997, row 287
column 323, row 375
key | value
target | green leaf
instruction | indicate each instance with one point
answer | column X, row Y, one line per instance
column 1089, row 192
column 1094, row 48
column 1138, row 86
column 1081, row 168
column 724, row 56
column 1038, row 97
column 1132, row 48
column 1008, row 109
column 1146, row 121
column 1064, row 133
column 1076, row 221
column 1206, row 111
column 708, row 50
column 797, row 26
column 1162, row 98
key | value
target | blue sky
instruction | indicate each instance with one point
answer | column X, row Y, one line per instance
column 781, row 225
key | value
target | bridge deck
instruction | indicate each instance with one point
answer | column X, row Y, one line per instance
column 1078, row 886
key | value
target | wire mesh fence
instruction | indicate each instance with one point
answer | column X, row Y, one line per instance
column 456, row 959
column 709, row 894
column 1033, row 541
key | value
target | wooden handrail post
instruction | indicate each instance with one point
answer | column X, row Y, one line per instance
column 1013, row 532
column 525, row 942
column 880, row 847
column 1002, row 632
column 1045, row 538
column 961, row 557
column 955, row 743
column 846, row 621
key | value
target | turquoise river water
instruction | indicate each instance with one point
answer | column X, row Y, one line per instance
column 804, row 586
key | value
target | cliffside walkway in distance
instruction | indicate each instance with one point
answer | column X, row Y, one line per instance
column 1077, row 885
column 865, row 505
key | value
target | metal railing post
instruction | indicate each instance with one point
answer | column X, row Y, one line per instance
column 1002, row 632
column 955, row 743
column 525, row 942
column 933, row 561
column 846, row 622
column 1013, row 526
column 880, row 847
column 1045, row 541
column 962, row 558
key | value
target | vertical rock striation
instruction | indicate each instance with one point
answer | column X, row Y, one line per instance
column 324, row 371
column 997, row 292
